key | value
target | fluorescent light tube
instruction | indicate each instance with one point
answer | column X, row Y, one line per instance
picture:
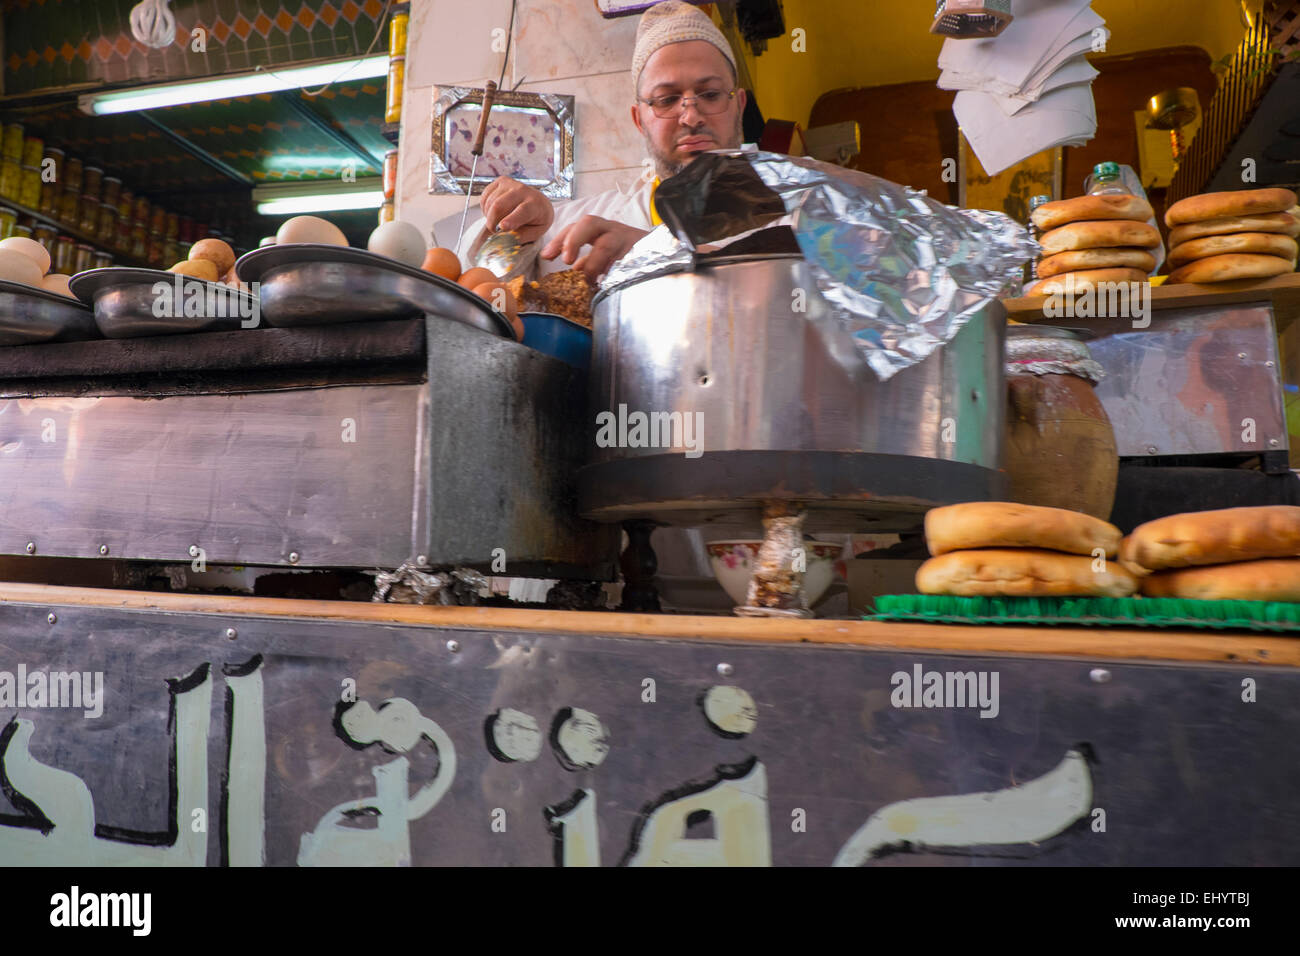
column 227, row 87
column 321, row 202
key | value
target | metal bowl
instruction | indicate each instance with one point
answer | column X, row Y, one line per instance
column 132, row 302
column 28, row 314
column 305, row 283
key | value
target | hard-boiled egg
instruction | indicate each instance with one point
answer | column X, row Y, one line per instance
column 215, row 251
column 31, row 249
column 311, row 229
column 442, row 262
column 17, row 267
column 56, row 282
column 400, row 241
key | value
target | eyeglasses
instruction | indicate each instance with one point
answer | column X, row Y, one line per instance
column 707, row 103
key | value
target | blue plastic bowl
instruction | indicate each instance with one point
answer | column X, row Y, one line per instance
column 556, row 336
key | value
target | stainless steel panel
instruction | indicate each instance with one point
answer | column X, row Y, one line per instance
column 30, row 315
column 247, row 478
column 311, row 284
column 726, row 342
column 127, row 302
column 1196, row 381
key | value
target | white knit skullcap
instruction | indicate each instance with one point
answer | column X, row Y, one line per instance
column 675, row 22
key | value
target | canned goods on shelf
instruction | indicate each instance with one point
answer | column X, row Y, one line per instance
column 172, row 229
column 33, row 151
column 55, row 154
column 396, row 75
column 186, row 233
column 91, row 182
column 171, row 251
column 126, row 205
column 156, row 248
column 158, row 219
column 390, row 174
column 103, row 260
column 112, row 191
column 106, row 231
column 12, row 145
column 11, row 180
column 47, row 236
column 124, row 231
column 84, row 257
column 8, row 219
column 70, row 207
column 29, row 188
column 89, row 215
column 142, row 209
column 24, row 231
column 183, row 250
column 397, row 34
column 50, row 193
column 65, row 255
column 139, row 240
column 72, row 174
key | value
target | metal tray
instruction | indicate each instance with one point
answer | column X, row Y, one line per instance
column 126, row 303
column 306, row 283
column 28, row 314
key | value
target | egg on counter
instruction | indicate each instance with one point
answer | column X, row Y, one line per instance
column 56, row 282
column 398, row 240
column 311, row 229
column 215, row 251
column 31, row 249
column 17, row 267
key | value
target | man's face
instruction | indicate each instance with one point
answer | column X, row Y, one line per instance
column 686, row 69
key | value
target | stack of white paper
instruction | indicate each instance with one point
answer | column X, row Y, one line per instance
column 1030, row 88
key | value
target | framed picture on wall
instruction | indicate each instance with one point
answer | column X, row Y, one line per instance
column 529, row 138
column 1010, row 190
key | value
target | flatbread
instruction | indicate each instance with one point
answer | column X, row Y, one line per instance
column 1272, row 579
column 1223, row 536
column 1229, row 267
column 1022, row 573
column 1095, row 235
column 1237, row 202
column 1053, row 215
column 1285, row 223
column 1082, row 281
column 1005, row 524
column 1082, row 260
column 1259, row 243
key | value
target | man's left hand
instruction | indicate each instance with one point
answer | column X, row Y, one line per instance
column 609, row 241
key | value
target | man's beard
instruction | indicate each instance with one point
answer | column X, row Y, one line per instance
column 668, row 165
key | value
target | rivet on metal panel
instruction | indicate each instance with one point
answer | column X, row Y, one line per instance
column 294, row 557
column 231, row 633
column 31, row 547
column 103, row 549
column 453, row 646
column 725, row 669
column 1151, row 449
column 194, row 551
column 51, row 617
column 421, row 560
column 1273, row 442
column 1099, row 675
column 1268, row 364
column 1241, row 355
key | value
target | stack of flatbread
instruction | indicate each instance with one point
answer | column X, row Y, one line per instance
column 993, row 548
column 1091, row 239
column 1248, row 234
column 1241, row 554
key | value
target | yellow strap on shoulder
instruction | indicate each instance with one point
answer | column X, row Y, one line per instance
column 654, row 213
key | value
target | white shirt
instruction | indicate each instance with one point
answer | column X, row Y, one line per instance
column 630, row 207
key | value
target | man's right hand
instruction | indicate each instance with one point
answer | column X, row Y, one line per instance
column 509, row 205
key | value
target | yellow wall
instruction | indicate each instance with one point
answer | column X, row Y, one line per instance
column 852, row 43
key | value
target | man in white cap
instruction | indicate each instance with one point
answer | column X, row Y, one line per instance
column 687, row 102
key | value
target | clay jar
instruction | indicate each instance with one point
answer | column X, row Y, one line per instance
column 1060, row 444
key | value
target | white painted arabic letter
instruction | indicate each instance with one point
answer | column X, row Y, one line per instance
column 246, row 772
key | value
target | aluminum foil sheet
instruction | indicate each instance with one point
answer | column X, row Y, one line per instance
column 902, row 272
column 1084, row 368
column 410, row 585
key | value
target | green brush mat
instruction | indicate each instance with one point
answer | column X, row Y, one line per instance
column 1090, row 611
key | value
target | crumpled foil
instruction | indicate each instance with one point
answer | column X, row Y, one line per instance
column 410, row 585
column 902, row 272
column 1083, row 368
column 775, row 587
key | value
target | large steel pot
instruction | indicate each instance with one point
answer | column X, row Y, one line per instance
column 786, row 408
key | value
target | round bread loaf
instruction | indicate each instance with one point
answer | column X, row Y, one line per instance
column 1223, row 536
column 1052, row 215
column 1082, row 281
column 1259, row 243
column 1022, row 573
column 1240, row 202
column 1279, row 222
column 1006, row 524
column 1272, row 579
column 1229, row 267
column 1094, row 235
column 1082, row 260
